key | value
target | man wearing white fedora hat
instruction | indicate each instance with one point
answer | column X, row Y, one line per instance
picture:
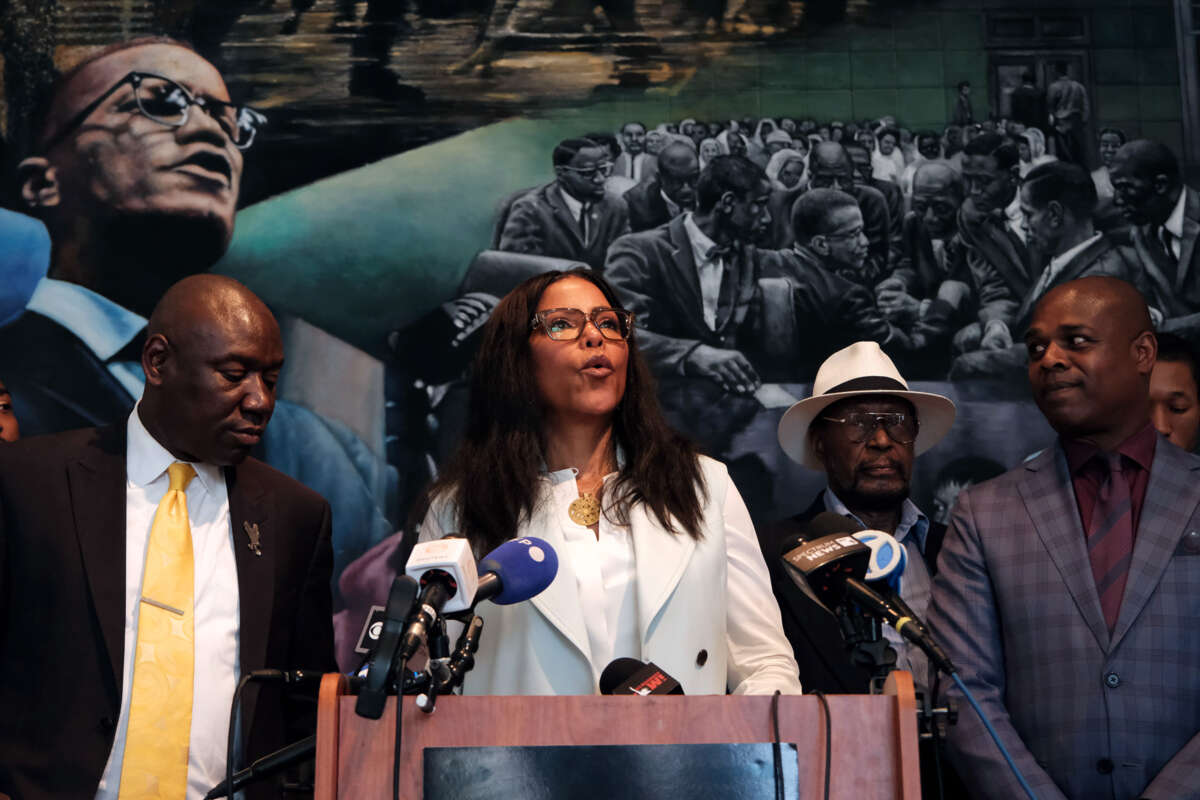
column 863, row 427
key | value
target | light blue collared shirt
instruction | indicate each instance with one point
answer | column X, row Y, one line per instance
column 915, row 584
column 101, row 324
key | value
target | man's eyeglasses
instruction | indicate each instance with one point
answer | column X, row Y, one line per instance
column 166, row 102
column 850, row 234
column 859, row 427
column 840, row 182
column 567, row 324
column 603, row 170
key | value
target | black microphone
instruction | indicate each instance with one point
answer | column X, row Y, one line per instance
column 267, row 766
column 630, row 676
column 285, row 676
column 372, row 695
column 437, row 586
column 831, row 568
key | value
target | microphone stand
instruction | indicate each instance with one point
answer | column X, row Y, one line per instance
column 868, row 648
column 448, row 673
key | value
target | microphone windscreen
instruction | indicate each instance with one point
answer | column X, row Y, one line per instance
column 827, row 523
column 525, row 566
column 888, row 557
column 617, row 672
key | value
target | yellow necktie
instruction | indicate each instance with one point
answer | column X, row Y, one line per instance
column 160, row 706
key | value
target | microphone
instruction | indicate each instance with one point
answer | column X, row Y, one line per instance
column 832, row 569
column 630, row 676
column 267, row 766
column 889, row 558
column 372, row 696
column 285, row 676
column 516, row 571
column 448, row 563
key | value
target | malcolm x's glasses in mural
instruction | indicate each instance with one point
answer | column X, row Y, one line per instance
column 166, row 102
column 858, row 427
column 567, row 324
column 601, row 170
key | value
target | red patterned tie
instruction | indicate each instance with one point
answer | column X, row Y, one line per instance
column 1110, row 538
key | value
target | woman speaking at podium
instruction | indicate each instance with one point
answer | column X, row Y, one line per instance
column 658, row 559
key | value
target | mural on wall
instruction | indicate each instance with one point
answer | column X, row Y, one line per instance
column 914, row 173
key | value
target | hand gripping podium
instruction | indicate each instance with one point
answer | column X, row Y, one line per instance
column 873, row 754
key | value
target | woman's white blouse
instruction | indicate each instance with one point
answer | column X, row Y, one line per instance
column 756, row 655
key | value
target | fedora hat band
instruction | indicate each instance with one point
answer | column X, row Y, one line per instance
column 868, row 383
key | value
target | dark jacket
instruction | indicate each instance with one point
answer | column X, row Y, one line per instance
column 814, row 633
column 1101, row 257
column 1029, row 107
column 830, row 308
column 647, row 208
column 540, row 223
column 62, row 607
column 654, row 274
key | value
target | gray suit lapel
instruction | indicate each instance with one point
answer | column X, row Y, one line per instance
column 685, row 269
column 555, row 199
column 1050, row 499
column 1187, row 245
column 1171, row 499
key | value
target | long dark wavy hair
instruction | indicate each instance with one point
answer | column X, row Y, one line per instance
column 493, row 476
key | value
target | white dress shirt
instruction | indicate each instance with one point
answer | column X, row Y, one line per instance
column 215, row 603
column 673, row 208
column 708, row 268
column 605, row 569
column 1174, row 225
column 915, row 585
column 1057, row 263
column 102, row 325
column 1015, row 219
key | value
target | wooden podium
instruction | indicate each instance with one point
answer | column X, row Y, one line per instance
column 874, row 753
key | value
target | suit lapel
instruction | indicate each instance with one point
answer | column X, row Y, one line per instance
column 1171, row 499
column 1154, row 262
column 248, row 505
column 97, row 491
column 1050, row 499
column 1187, row 245
column 563, row 214
column 559, row 603
column 661, row 559
column 686, row 277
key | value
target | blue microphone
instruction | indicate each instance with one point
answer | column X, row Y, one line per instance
column 516, row 571
column 888, row 558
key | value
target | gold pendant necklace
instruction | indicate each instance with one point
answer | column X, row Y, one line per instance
column 585, row 509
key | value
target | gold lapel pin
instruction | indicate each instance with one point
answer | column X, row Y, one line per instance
column 255, row 537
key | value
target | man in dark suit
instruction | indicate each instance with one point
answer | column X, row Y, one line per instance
column 831, row 305
column 1058, row 200
column 572, row 217
column 892, row 195
column 692, row 283
column 667, row 195
column 1149, row 190
column 82, row 642
column 863, row 428
column 1029, row 103
column 964, row 115
column 830, row 167
column 999, row 262
column 1068, row 588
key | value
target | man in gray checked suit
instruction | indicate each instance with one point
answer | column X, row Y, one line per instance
column 1069, row 599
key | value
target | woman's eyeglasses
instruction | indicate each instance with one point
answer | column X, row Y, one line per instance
column 567, row 324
